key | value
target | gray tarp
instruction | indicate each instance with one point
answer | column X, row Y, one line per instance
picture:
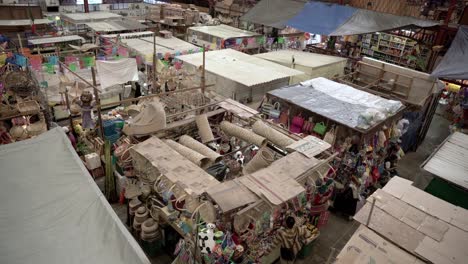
column 274, row 13
column 454, row 65
column 366, row 21
column 53, row 212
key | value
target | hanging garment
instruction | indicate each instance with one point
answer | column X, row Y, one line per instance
column 117, row 72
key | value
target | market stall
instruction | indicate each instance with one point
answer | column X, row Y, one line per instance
column 50, row 44
column 240, row 76
column 417, row 90
column 68, row 207
column 208, row 204
column 23, row 110
column 313, row 65
column 419, row 223
column 363, row 128
column 447, row 164
column 224, row 37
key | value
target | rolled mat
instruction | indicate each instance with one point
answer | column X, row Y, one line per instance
column 272, row 134
column 190, row 154
column 242, row 133
column 261, row 160
column 204, row 129
column 200, row 148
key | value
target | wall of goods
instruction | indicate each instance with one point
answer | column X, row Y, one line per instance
column 395, row 49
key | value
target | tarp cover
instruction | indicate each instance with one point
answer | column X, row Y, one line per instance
column 274, row 13
column 327, row 19
column 117, row 72
column 454, row 65
column 53, row 212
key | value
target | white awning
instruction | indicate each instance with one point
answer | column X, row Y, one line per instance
column 240, row 67
column 23, row 22
column 449, row 162
column 52, row 210
column 224, row 31
column 40, row 41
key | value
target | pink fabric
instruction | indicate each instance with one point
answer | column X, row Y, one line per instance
column 296, row 124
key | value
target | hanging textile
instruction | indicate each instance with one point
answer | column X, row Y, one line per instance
column 117, row 72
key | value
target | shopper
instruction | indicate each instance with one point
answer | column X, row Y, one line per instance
column 140, row 85
column 291, row 239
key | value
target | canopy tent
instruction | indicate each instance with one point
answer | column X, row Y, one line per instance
column 53, row 212
column 239, row 75
column 313, row 65
column 274, row 13
column 329, row 19
column 454, row 63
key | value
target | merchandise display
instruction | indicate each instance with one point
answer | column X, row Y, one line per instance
column 237, row 132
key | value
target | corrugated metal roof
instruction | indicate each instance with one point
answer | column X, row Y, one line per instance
column 224, row 31
column 82, row 18
column 449, row 161
column 144, row 46
column 116, row 25
column 40, row 41
column 307, row 59
column 240, row 67
column 23, row 22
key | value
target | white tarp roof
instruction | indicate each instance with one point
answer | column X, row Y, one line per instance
column 23, row 22
column 53, row 211
column 81, row 18
column 130, row 35
column 115, row 25
column 40, row 41
column 144, row 46
column 240, row 67
column 307, row 59
column 449, row 161
column 224, row 31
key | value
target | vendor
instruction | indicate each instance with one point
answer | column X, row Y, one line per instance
column 291, row 239
column 140, row 85
column 70, row 136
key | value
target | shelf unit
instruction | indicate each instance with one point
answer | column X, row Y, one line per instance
column 393, row 49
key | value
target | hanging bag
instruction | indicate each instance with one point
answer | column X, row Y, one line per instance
column 275, row 111
column 330, row 136
column 320, row 128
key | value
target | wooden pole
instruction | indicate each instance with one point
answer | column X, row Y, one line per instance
column 203, row 72
column 98, row 103
column 154, row 63
column 79, row 77
column 67, row 101
column 371, row 211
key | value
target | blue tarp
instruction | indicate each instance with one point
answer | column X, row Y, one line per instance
column 327, row 19
column 321, row 18
column 454, row 65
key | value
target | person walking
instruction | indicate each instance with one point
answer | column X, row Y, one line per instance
column 140, row 85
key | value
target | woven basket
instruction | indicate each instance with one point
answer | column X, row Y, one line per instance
column 28, row 107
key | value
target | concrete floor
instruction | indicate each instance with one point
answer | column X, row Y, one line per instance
column 339, row 229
